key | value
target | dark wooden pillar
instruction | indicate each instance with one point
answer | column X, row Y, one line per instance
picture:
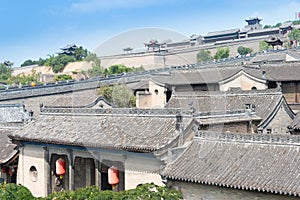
column 71, row 169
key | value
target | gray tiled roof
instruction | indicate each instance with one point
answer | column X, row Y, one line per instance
column 249, row 162
column 90, row 129
column 6, row 147
column 77, row 102
column 12, row 113
column 295, row 125
column 270, row 57
column 198, row 76
column 223, row 32
column 264, row 101
column 282, row 71
column 142, row 84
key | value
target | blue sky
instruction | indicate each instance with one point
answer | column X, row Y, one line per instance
column 31, row 29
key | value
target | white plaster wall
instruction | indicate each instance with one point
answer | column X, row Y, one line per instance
column 141, row 168
column 32, row 156
column 133, row 179
column 158, row 100
column 244, row 82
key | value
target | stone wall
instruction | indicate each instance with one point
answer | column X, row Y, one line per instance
column 176, row 57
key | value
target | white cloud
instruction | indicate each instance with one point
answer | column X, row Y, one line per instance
column 102, row 5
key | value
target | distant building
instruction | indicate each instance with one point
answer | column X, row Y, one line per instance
column 68, row 50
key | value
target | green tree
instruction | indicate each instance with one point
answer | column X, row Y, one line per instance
column 203, row 56
column 5, row 72
column 294, row 36
column 106, row 92
column 97, row 69
column 24, row 79
column 222, row 53
column 80, row 53
column 263, row 45
column 12, row 191
column 244, row 50
column 62, row 77
column 120, row 68
column 59, row 62
column 28, row 62
column 122, row 96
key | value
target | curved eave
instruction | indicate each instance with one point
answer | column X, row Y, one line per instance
column 88, row 145
column 10, row 157
column 265, row 122
column 241, row 187
column 238, row 74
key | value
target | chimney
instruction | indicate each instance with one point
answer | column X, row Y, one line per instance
column 264, row 74
column 178, row 121
column 179, row 128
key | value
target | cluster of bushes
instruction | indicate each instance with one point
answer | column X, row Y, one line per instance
column 145, row 191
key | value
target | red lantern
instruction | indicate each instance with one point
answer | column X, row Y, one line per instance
column 60, row 166
column 11, row 171
column 3, row 170
column 113, row 175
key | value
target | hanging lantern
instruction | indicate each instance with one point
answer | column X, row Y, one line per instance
column 3, row 170
column 11, row 171
column 113, row 176
column 60, row 166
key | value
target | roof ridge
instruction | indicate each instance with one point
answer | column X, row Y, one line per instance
column 115, row 111
column 251, row 138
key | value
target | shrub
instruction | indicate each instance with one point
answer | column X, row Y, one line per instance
column 12, row 191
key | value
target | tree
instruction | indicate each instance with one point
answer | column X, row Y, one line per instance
column 294, row 36
column 28, row 63
column 222, row 53
column 203, row 56
column 80, row 53
column 24, row 79
column 5, row 72
column 119, row 95
column 122, row 96
column 62, row 77
column 106, row 92
column 263, row 45
column 97, row 69
column 59, row 62
column 244, row 50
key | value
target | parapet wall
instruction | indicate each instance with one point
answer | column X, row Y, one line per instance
column 175, row 57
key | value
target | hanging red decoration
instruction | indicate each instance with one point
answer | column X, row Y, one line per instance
column 3, row 170
column 60, row 167
column 113, row 175
column 10, row 171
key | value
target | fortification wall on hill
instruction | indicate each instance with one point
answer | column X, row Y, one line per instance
column 176, row 57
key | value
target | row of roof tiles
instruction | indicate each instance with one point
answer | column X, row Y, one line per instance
column 249, row 165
